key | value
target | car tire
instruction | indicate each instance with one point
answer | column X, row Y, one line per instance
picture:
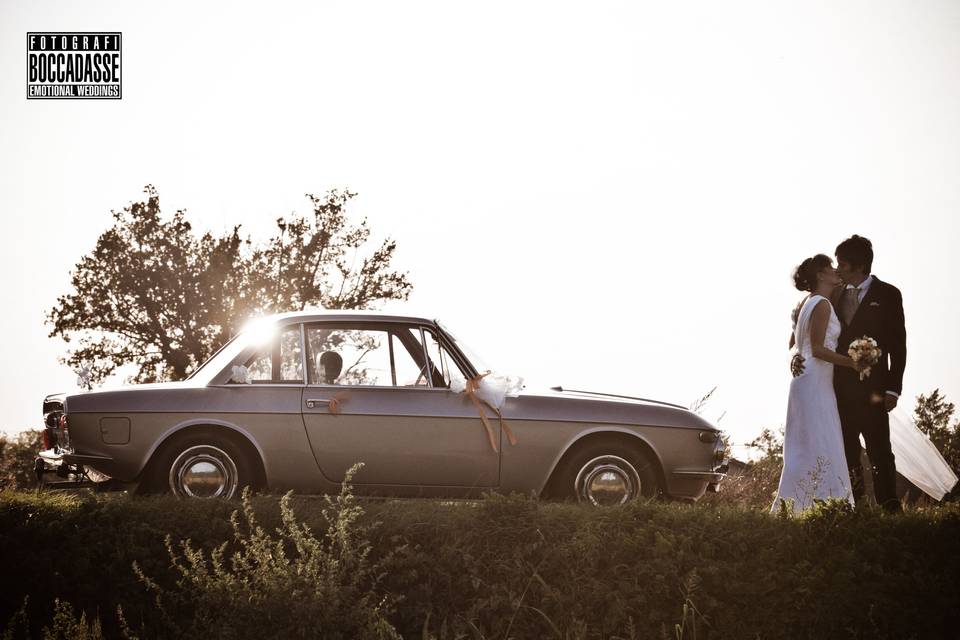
column 201, row 465
column 607, row 473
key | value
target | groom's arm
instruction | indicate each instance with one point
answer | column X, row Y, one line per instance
column 897, row 345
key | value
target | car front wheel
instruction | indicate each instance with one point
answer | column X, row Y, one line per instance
column 201, row 466
column 602, row 474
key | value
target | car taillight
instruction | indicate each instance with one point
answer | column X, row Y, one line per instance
column 63, row 422
column 47, row 444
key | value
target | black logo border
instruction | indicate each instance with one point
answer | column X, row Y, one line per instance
column 73, row 33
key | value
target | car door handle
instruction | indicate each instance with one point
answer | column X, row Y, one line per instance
column 333, row 403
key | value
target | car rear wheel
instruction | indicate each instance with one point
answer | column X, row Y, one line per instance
column 200, row 465
column 607, row 474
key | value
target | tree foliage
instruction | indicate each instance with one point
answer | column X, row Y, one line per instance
column 17, row 453
column 770, row 445
column 156, row 294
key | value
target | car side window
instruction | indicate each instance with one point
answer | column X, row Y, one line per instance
column 359, row 356
column 281, row 361
column 408, row 373
column 444, row 366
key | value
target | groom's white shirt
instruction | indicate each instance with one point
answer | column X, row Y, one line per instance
column 861, row 292
column 863, row 288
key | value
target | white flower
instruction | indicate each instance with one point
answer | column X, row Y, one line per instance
column 458, row 384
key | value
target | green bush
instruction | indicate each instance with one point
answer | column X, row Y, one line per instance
column 17, row 454
column 292, row 583
column 496, row 568
column 756, row 486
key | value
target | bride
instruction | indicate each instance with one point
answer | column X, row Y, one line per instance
column 814, row 464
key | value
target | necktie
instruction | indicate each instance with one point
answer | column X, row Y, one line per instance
column 849, row 303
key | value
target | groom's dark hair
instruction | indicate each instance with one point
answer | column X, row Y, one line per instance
column 856, row 250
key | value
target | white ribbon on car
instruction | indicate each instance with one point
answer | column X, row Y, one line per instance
column 491, row 390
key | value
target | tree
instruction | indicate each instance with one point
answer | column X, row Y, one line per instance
column 933, row 414
column 17, row 454
column 770, row 445
column 155, row 294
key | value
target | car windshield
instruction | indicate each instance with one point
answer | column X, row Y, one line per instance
column 257, row 332
column 478, row 363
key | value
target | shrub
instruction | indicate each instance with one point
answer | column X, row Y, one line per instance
column 506, row 566
column 756, row 486
column 293, row 583
column 17, row 454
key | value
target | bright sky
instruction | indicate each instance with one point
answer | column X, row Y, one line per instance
column 607, row 196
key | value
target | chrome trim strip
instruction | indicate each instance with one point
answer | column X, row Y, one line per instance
column 344, row 387
column 266, row 385
column 700, row 474
column 81, row 458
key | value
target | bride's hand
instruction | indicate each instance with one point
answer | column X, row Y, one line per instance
column 860, row 365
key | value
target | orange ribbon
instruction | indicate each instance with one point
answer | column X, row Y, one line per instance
column 472, row 385
column 333, row 404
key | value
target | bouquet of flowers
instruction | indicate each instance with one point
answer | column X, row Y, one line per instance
column 865, row 349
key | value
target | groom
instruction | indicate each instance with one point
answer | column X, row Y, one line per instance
column 867, row 306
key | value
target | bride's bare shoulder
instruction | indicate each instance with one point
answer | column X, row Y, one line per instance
column 822, row 307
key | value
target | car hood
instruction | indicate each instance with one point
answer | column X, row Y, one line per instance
column 558, row 404
column 118, row 397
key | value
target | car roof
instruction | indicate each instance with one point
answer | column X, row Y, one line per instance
column 341, row 314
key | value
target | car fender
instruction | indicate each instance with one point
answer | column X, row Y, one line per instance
column 197, row 422
column 605, row 429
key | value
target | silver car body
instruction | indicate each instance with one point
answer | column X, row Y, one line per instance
column 422, row 440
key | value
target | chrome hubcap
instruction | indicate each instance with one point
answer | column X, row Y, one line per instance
column 203, row 471
column 607, row 481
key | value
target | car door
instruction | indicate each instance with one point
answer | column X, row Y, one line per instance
column 374, row 396
column 264, row 403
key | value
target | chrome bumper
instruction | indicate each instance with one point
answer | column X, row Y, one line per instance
column 62, row 469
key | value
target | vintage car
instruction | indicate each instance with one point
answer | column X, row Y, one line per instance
column 296, row 399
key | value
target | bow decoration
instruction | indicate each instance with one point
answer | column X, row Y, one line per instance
column 333, row 404
column 471, row 389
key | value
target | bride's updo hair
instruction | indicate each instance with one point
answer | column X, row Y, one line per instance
column 805, row 277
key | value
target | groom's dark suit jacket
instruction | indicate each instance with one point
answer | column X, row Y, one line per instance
column 879, row 316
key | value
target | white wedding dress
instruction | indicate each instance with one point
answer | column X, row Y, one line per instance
column 814, row 464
